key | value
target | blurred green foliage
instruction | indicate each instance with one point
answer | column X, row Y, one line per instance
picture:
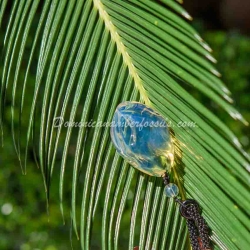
column 232, row 51
column 24, row 223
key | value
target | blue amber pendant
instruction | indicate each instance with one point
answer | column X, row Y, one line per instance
column 141, row 136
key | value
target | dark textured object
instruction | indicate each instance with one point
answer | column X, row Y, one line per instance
column 185, row 208
column 197, row 221
column 193, row 234
column 166, row 179
column 197, row 227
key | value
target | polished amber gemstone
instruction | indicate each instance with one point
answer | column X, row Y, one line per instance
column 141, row 136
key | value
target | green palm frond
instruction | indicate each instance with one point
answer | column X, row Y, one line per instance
column 84, row 58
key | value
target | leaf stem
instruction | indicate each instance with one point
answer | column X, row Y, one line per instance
column 122, row 49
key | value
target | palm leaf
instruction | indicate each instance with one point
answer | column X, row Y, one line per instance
column 92, row 55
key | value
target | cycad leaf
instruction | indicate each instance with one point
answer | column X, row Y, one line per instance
column 92, row 55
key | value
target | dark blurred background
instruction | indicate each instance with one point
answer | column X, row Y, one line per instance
column 221, row 14
column 24, row 225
